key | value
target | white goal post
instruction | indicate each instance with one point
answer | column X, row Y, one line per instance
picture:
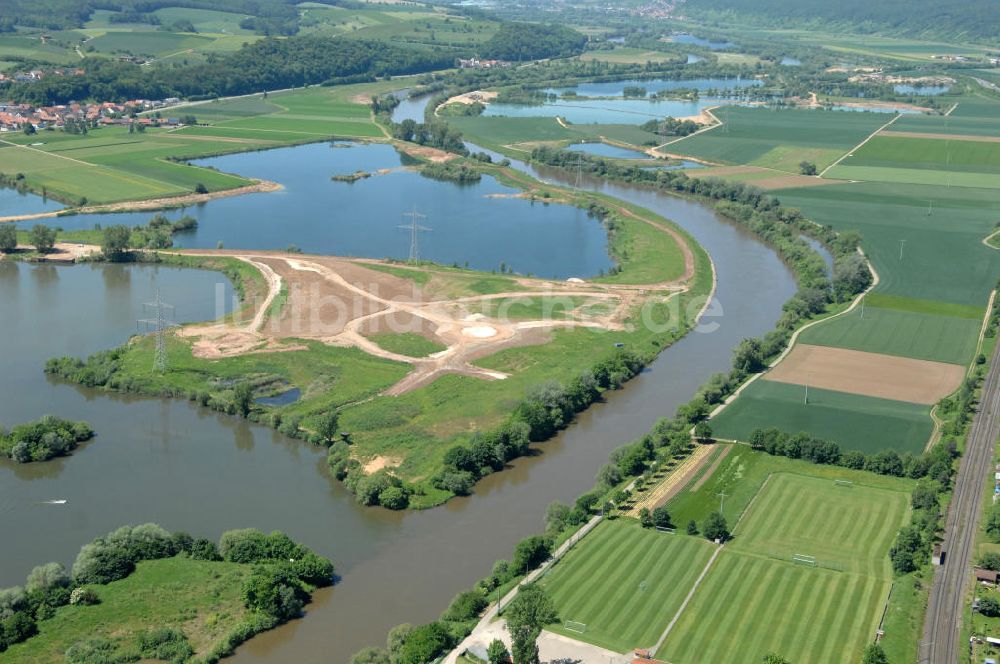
column 844, row 483
column 666, row 530
column 803, row 559
column 574, row 626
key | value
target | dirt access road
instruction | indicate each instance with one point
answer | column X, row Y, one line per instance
column 943, row 622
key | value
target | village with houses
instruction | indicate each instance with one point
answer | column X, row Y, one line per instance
column 81, row 116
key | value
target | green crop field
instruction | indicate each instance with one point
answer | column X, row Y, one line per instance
column 407, row 343
column 970, row 118
column 903, row 333
column 625, row 583
column 943, row 256
column 755, row 600
column 856, row 422
column 780, row 139
column 890, row 151
column 924, row 161
column 748, row 607
column 846, row 529
column 495, row 132
column 204, row 20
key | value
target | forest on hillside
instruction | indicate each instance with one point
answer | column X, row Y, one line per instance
column 971, row 19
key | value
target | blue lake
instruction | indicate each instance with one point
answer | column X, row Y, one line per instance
column 603, row 111
column 921, row 90
column 605, row 150
column 480, row 223
column 790, row 62
column 616, row 88
column 698, row 41
column 14, row 203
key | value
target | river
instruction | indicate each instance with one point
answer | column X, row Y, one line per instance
column 188, row 468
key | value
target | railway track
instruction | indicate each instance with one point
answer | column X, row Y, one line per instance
column 943, row 622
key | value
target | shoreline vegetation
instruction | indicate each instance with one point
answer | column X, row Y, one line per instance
column 143, row 593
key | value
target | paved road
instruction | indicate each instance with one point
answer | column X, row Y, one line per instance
column 944, row 610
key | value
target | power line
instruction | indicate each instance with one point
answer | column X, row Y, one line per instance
column 415, row 229
column 160, row 323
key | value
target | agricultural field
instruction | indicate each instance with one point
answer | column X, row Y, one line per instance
column 922, row 336
column 856, row 422
column 951, row 266
column 827, row 612
column 624, row 583
column 628, row 56
column 779, row 139
column 970, row 118
column 918, row 160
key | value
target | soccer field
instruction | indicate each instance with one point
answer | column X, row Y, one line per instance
column 625, row 583
column 750, row 606
column 755, row 600
column 844, row 527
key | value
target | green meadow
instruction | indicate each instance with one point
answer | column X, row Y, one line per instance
column 856, row 422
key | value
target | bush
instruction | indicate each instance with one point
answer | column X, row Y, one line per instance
column 989, row 606
column 83, row 596
column 715, row 528
column 466, row 606
column 530, row 553
column 314, row 570
column 245, row 545
column 424, row 644
column 275, row 591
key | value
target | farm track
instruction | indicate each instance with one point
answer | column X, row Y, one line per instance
column 943, row 622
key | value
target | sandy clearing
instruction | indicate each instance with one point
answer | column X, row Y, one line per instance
column 868, row 374
column 64, row 252
column 469, row 98
column 942, row 137
column 425, row 152
column 380, row 462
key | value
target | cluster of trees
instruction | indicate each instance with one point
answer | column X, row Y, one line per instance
column 43, row 439
column 283, row 574
column 519, row 42
column 41, row 237
column 432, row 134
column 451, row 171
column 118, row 241
column 671, row 127
column 267, row 64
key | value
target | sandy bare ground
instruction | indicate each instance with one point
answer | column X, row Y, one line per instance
column 469, row 98
column 342, row 302
column 156, row 203
column 869, row 374
column 942, row 137
column 65, row 252
column 425, row 152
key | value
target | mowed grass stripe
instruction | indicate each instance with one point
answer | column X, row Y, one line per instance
column 597, row 583
column 797, row 611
